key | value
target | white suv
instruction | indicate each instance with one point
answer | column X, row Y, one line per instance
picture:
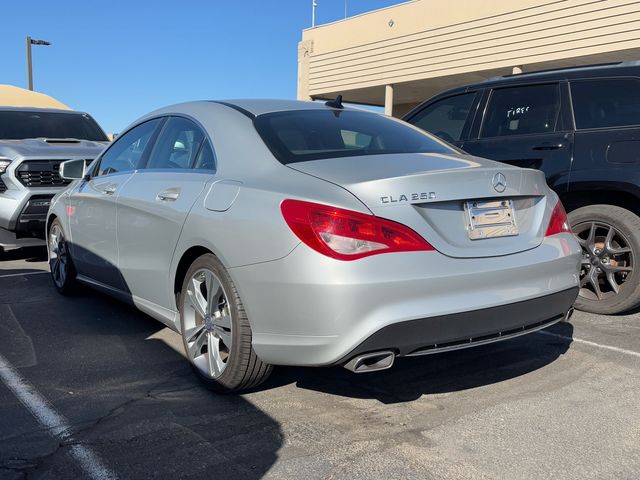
column 33, row 143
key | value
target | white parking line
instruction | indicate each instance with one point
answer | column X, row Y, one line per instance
column 22, row 274
column 57, row 424
column 593, row 344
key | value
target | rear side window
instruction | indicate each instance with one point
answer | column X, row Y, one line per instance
column 178, row 144
column 206, row 159
column 125, row 154
column 445, row 118
column 302, row 135
column 613, row 102
column 522, row 110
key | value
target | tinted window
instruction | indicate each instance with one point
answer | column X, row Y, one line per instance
column 522, row 110
column 18, row 125
column 606, row 103
column 126, row 152
column 301, row 135
column 177, row 145
column 445, row 118
column 206, row 159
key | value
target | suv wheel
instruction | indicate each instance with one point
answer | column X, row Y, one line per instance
column 63, row 273
column 215, row 329
column 610, row 241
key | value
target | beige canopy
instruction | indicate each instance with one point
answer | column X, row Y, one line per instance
column 11, row 96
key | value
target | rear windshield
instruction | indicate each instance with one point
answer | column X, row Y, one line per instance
column 18, row 125
column 302, row 135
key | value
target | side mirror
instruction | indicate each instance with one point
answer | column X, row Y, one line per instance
column 72, row 169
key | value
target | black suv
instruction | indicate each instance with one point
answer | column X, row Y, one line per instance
column 581, row 127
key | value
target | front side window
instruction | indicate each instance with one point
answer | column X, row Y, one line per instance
column 125, row 154
column 302, row 135
column 445, row 118
column 522, row 110
column 178, row 144
column 611, row 102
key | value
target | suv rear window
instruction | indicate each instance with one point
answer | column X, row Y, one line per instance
column 20, row 124
column 302, row 135
column 611, row 102
column 522, row 110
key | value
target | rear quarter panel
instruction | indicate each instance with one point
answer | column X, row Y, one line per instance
column 251, row 230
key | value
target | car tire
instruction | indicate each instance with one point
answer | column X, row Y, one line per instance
column 610, row 241
column 63, row 272
column 215, row 329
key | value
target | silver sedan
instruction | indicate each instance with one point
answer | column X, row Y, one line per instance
column 299, row 233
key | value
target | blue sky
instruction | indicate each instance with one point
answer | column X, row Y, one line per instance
column 120, row 59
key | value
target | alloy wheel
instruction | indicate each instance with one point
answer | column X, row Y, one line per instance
column 58, row 255
column 607, row 260
column 207, row 327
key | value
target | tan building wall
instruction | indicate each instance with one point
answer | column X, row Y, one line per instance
column 411, row 51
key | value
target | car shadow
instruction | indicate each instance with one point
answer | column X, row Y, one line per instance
column 412, row 377
column 28, row 254
column 120, row 378
column 19, row 271
column 625, row 313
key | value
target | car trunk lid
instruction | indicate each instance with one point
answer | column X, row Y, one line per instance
column 438, row 194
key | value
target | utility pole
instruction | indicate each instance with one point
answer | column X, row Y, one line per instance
column 29, row 67
column 345, row 8
column 313, row 13
column 31, row 41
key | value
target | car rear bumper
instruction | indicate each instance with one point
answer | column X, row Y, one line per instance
column 466, row 329
column 307, row 309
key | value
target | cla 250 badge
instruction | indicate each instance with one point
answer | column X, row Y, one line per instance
column 410, row 197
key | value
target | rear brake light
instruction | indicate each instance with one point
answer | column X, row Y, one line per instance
column 347, row 235
column 558, row 223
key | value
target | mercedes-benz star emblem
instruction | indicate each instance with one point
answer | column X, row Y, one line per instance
column 499, row 182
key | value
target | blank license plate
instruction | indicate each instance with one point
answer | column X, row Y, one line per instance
column 490, row 219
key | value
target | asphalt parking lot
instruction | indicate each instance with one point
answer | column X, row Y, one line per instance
column 563, row 403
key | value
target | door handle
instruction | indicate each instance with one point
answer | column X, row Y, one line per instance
column 168, row 195
column 110, row 189
column 548, row 146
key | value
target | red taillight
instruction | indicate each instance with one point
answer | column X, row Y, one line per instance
column 347, row 235
column 558, row 223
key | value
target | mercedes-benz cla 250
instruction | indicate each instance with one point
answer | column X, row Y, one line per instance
column 297, row 233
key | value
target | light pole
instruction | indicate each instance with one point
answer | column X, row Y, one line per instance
column 31, row 41
column 313, row 13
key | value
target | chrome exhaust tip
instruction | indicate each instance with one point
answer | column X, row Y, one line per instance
column 371, row 362
column 569, row 314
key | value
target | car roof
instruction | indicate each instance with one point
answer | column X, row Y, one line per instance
column 249, row 107
column 261, row 106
